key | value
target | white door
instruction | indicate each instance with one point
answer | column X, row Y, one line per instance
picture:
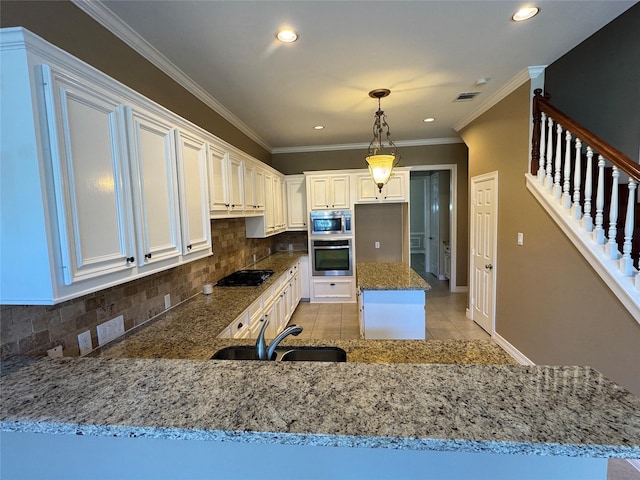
column 154, row 173
column 91, row 178
column 434, row 226
column 484, row 228
column 194, row 198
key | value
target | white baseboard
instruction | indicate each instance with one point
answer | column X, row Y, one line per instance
column 517, row 355
column 457, row 289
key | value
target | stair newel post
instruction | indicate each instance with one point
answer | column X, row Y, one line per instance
column 542, row 147
column 535, row 134
column 587, row 221
column 577, row 181
column 612, row 246
column 557, row 188
column 598, row 233
column 566, row 185
column 548, row 179
column 626, row 262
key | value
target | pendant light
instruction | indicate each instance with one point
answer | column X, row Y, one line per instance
column 381, row 156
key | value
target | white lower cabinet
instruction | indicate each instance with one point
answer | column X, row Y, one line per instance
column 333, row 289
column 276, row 304
column 392, row 314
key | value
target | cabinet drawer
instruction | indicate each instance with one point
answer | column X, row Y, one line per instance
column 337, row 288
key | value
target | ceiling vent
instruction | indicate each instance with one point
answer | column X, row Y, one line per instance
column 466, row 96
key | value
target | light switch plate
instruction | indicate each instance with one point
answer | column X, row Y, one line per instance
column 110, row 330
column 520, row 238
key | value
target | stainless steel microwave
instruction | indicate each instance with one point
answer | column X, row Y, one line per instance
column 330, row 222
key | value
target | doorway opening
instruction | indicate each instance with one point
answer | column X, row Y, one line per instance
column 433, row 222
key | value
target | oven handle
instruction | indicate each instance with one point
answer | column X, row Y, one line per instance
column 335, row 247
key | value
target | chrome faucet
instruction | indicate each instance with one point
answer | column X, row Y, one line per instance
column 264, row 352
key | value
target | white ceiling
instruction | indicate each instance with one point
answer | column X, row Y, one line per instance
column 425, row 52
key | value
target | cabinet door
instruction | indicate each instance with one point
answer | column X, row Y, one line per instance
column 258, row 188
column 278, row 200
column 296, row 197
column 249, row 188
column 340, row 192
column 91, row 178
column 194, row 198
column 319, row 192
column 367, row 190
column 236, row 184
column 394, row 189
column 155, row 180
column 218, row 184
column 269, row 206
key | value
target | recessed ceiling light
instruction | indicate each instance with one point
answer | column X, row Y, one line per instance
column 525, row 14
column 429, row 120
column 318, row 127
column 287, row 35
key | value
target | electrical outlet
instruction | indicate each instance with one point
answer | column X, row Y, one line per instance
column 55, row 352
column 377, row 244
column 167, row 301
column 520, row 238
column 110, row 330
column 84, row 342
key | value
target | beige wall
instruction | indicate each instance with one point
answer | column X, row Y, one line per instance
column 446, row 154
column 66, row 26
column 551, row 305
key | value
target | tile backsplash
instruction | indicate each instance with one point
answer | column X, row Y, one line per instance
column 33, row 329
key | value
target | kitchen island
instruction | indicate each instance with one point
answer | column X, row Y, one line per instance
column 391, row 301
column 152, row 405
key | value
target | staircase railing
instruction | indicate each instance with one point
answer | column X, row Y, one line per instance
column 568, row 165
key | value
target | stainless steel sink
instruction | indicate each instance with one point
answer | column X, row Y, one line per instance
column 285, row 354
column 315, row 354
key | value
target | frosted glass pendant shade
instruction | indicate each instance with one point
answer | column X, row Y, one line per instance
column 380, row 167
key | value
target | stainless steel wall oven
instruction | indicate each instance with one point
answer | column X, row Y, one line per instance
column 332, row 257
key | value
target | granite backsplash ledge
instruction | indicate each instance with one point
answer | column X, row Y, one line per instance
column 33, row 329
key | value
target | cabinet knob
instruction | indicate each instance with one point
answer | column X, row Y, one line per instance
column 240, row 325
column 189, row 247
column 332, row 284
column 131, row 259
column 147, row 256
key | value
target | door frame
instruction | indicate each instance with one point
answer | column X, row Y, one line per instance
column 472, row 185
column 453, row 217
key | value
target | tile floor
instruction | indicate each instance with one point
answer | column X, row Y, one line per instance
column 446, row 317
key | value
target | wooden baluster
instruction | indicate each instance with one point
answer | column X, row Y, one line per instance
column 587, row 221
column 548, row 179
column 577, row 181
column 598, row 233
column 612, row 246
column 541, row 169
column 566, row 185
column 557, row 189
column 626, row 262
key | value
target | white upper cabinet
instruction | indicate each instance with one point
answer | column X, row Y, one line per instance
column 396, row 189
column 194, row 199
column 152, row 156
column 296, row 198
column 328, row 191
column 99, row 185
column 91, row 178
column 253, row 188
column 218, row 180
column 273, row 220
column 236, row 183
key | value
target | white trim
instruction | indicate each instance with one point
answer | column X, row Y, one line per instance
column 524, row 76
column 453, row 217
column 516, row 354
column 104, row 16
column 622, row 286
column 634, row 463
column 364, row 146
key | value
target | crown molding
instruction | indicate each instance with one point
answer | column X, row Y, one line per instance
column 104, row 16
column 364, row 146
column 524, row 76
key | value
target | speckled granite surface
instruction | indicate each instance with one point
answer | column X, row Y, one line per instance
column 571, row 411
column 422, row 395
column 388, row 276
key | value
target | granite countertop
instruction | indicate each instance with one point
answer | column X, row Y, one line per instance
column 157, row 382
column 544, row 410
column 389, row 276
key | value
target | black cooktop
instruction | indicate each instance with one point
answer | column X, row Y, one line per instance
column 245, row 278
